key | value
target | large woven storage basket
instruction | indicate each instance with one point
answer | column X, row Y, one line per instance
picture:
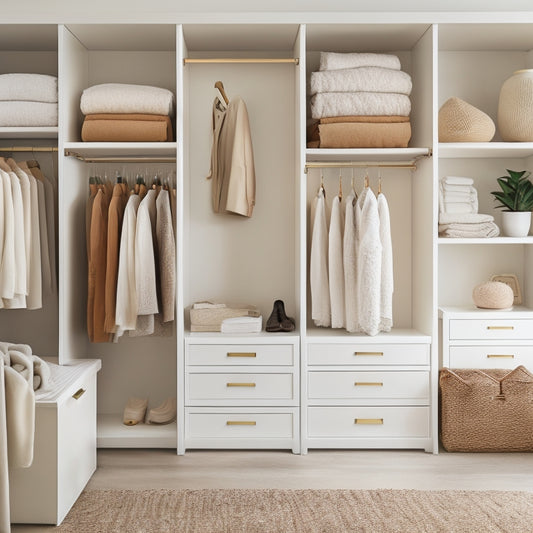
column 486, row 410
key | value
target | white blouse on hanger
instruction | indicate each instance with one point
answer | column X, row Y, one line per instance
column 350, row 265
column 336, row 267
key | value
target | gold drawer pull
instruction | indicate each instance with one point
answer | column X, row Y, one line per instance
column 78, row 394
column 241, row 423
column 240, row 384
column 241, row 354
column 368, row 421
column 369, row 383
column 368, row 353
column 500, row 327
column 501, row 356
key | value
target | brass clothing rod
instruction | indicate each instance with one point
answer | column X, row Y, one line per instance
column 358, row 164
column 120, row 159
column 28, row 149
column 294, row 60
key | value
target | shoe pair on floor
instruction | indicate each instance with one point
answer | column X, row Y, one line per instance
column 278, row 320
column 135, row 412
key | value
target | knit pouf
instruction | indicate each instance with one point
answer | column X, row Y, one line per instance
column 493, row 295
column 515, row 107
column 460, row 121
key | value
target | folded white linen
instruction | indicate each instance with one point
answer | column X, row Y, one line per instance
column 459, row 208
column 464, row 218
column 337, row 61
column 242, row 324
column 459, row 196
column 126, row 98
column 341, row 104
column 28, row 87
column 454, row 188
column 489, row 229
column 457, row 180
column 28, row 114
column 369, row 79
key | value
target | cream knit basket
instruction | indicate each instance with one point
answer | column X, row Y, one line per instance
column 515, row 107
column 461, row 122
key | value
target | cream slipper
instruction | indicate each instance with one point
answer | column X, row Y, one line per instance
column 164, row 414
column 134, row 411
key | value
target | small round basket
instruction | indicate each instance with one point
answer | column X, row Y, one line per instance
column 493, row 295
column 460, row 121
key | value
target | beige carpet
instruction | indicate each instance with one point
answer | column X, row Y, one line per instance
column 299, row 511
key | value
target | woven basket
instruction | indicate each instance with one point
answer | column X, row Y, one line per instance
column 486, row 411
column 461, row 122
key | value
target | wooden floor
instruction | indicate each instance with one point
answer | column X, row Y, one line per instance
column 143, row 469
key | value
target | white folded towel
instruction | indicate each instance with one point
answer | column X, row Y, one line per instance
column 457, row 180
column 459, row 207
column 369, row 79
column 126, row 98
column 454, row 188
column 336, row 266
column 242, row 324
column 28, row 114
column 340, row 104
column 336, row 61
column 460, row 196
column 208, row 305
column 488, row 229
column 466, row 218
column 28, row 87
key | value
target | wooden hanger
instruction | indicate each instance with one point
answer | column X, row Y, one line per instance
column 340, row 185
column 220, row 86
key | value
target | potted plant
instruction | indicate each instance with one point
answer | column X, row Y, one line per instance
column 516, row 200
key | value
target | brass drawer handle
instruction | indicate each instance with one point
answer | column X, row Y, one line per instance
column 368, row 353
column 240, row 384
column 501, row 356
column 241, row 354
column 78, row 394
column 368, row 421
column 500, row 327
column 369, row 383
column 241, row 423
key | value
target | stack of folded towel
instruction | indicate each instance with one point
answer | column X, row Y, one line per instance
column 210, row 316
column 242, row 324
column 28, row 100
column 458, row 211
column 361, row 100
column 118, row 112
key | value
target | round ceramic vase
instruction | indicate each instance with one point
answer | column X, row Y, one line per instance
column 516, row 223
column 515, row 107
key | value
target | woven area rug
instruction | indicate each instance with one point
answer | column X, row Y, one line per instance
column 299, row 511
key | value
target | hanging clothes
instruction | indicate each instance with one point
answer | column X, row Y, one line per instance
column 387, row 274
column 336, row 266
column 8, row 266
column 232, row 159
column 350, row 265
column 318, row 270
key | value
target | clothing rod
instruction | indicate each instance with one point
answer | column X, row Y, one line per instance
column 118, row 159
column 294, row 60
column 358, row 164
column 28, row 149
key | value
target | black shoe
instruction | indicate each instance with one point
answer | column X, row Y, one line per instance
column 278, row 320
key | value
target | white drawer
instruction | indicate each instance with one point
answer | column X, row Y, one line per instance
column 245, row 386
column 368, row 354
column 490, row 329
column 240, row 354
column 368, row 385
column 239, row 426
column 493, row 356
column 368, row 422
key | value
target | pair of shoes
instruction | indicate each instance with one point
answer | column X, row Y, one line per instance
column 135, row 412
column 278, row 320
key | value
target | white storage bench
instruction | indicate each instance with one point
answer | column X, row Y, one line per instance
column 64, row 450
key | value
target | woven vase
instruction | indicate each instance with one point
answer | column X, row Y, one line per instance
column 460, row 121
column 515, row 107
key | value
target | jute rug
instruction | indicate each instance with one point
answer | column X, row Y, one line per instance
column 299, row 511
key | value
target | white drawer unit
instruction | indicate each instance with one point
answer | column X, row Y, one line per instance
column 478, row 338
column 241, row 394
column 368, row 394
column 64, row 448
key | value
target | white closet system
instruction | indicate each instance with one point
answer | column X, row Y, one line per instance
column 324, row 387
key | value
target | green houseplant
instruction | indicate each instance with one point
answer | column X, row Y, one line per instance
column 516, row 200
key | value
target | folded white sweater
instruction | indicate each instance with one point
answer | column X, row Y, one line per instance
column 126, row 98
column 28, row 87
column 336, row 61
column 370, row 79
column 28, row 114
column 341, row 104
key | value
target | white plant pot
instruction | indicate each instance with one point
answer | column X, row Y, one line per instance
column 516, row 223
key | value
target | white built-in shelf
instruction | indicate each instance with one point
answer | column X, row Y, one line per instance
column 366, row 154
column 471, row 311
column 488, row 240
column 112, row 433
column 396, row 336
column 491, row 150
column 122, row 149
column 29, row 133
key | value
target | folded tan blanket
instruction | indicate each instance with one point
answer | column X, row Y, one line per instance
column 364, row 135
column 365, row 118
column 127, row 127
